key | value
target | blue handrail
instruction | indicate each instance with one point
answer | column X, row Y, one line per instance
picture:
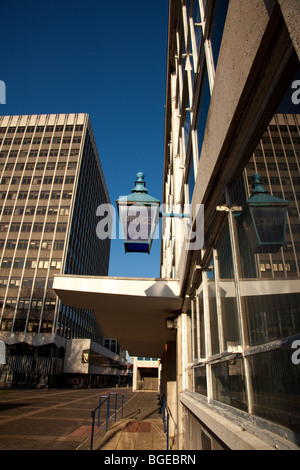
column 93, row 420
column 164, row 411
column 101, row 402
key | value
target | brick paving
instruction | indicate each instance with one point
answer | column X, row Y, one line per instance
column 60, row 419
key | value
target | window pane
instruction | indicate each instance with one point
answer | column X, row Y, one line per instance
column 229, row 383
column 200, row 380
column 191, row 181
column 227, row 292
column 201, row 326
column 194, row 331
column 197, row 21
column 270, row 317
column 229, row 315
column 221, row 12
column 203, row 111
column 215, row 347
column 276, row 387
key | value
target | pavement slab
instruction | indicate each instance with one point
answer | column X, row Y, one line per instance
column 60, row 419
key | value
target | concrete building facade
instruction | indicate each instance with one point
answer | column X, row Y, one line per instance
column 146, row 374
column 229, row 114
column 51, row 185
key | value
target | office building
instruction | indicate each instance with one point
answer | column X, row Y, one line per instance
column 51, row 185
column 224, row 317
column 230, row 114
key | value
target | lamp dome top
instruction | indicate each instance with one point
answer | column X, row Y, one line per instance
column 140, row 184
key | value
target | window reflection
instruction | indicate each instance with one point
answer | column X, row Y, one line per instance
column 197, row 21
column 203, row 110
column 215, row 346
column 194, row 330
column 276, row 387
column 200, row 380
column 217, row 34
column 229, row 383
column 227, row 292
column 191, row 182
column 270, row 317
column 201, row 325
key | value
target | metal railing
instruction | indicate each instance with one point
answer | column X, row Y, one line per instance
column 165, row 417
column 107, row 400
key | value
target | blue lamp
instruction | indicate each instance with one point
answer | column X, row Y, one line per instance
column 139, row 215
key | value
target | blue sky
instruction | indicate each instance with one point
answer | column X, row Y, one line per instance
column 107, row 59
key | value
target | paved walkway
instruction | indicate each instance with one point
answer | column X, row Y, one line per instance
column 60, row 419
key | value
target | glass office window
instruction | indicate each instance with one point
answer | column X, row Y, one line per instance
column 201, row 325
column 270, row 317
column 191, row 181
column 200, row 381
column 229, row 383
column 194, row 342
column 227, row 292
column 217, row 34
column 276, row 387
column 213, row 314
column 203, row 110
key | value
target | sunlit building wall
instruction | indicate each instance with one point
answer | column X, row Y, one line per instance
column 229, row 114
column 51, row 185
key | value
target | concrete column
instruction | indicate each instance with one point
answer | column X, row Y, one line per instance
column 171, row 388
column 134, row 375
column 159, row 389
column 180, row 372
column 184, row 375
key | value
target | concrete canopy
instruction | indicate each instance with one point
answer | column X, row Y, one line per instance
column 132, row 310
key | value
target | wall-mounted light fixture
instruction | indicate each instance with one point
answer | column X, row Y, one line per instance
column 139, row 215
column 264, row 219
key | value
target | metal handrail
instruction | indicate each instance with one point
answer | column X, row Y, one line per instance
column 116, row 401
column 93, row 418
column 163, row 413
column 107, row 397
column 93, row 413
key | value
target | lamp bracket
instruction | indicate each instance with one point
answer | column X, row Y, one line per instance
column 171, row 214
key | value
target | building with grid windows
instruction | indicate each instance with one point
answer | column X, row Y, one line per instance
column 51, row 185
column 224, row 317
